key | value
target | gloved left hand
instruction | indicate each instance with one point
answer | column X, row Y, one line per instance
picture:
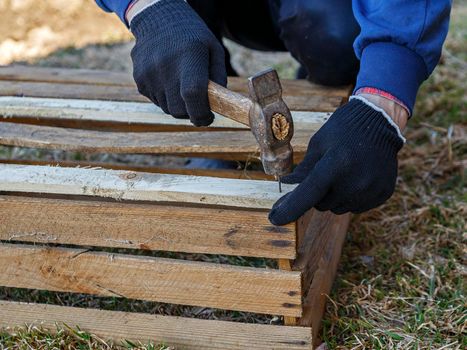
column 350, row 165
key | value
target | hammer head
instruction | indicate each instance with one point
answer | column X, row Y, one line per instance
column 271, row 122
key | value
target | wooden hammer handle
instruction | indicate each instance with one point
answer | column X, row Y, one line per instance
column 229, row 104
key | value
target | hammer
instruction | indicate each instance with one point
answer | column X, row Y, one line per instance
column 265, row 113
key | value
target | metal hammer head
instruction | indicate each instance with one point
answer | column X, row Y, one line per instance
column 271, row 122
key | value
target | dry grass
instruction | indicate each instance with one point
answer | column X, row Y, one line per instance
column 401, row 283
column 34, row 338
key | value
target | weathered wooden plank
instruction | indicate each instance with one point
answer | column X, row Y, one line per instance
column 103, row 77
column 136, row 114
column 223, row 173
column 179, row 332
column 144, row 226
column 124, row 185
column 65, row 75
column 318, row 256
column 70, row 91
column 201, row 143
column 318, row 103
column 155, row 279
column 286, row 265
column 313, row 236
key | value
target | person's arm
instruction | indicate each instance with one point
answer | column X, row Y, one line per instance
column 351, row 162
column 399, row 44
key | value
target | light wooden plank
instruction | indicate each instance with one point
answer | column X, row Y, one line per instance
column 127, row 113
column 103, row 77
column 179, row 332
column 240, row 143
column 155, row 279
column 318, row 257
column 223, row 173
column 144, row 226
column 318, row 103
column 126, row 185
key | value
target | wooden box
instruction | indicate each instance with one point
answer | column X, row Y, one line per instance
column 57, row 223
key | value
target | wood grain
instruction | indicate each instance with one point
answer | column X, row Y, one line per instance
column 124, row 185
column 144, row 226
column 103, row 77
column 179, row 332
column 128, row 116
column 155, row 279
column 201, row 143
column 318, row 103
column 286, row 265
column 65, row 75
column 313, row 236
column 319, row 256
column 229, row 103
column 222, row 173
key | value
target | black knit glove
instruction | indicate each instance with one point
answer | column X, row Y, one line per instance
column 350, row 165
column 174, row 57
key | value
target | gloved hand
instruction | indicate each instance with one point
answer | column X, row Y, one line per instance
column 350, row 165
column 174, row 57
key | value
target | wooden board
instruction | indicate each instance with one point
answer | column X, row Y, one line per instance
column 65, row 75
column 144, row 226
column 155, row 279
column 124, row 185
column 107, row 113
column 103, row 77
column 318, row 103
column 319, row 251
column 223, row 173
column 286, row 265
column 179, row 332
column 239, row 143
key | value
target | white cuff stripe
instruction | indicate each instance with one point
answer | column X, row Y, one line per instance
column 382, row 111
column 135, row 10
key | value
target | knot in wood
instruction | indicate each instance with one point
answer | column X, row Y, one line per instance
column 280, row 126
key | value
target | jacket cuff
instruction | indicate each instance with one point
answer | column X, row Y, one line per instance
column 392, row 68
column 119, row 7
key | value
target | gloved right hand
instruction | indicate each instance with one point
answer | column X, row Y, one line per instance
column 174, row 57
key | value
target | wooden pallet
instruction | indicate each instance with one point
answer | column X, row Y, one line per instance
column 55, row 221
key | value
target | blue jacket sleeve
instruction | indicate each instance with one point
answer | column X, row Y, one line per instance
column 399, row 44
column 117, row 6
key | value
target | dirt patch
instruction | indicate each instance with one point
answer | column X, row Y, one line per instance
column 31, row 29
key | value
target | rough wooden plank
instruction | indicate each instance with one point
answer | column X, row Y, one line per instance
column 295, row 87
column 319, row 256
column 179, row 332
column 313, row 236
column 65, row 75
column 71, row 90
column 318, row 103
column 103, row 77
column 122, row 185
column 223, row 173
column 84, row 112
column 144, row 226
column 286, row 265
column 147, row 278
column 215, row 142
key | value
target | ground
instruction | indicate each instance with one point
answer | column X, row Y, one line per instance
column 401, row 280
